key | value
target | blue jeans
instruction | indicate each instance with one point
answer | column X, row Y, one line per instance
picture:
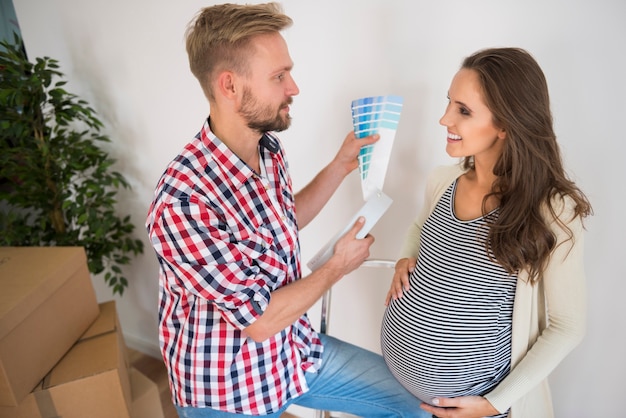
column 352, row 380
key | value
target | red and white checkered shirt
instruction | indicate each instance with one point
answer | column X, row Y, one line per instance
column 226, row 238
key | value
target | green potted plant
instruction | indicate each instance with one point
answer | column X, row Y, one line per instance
column 57, row 185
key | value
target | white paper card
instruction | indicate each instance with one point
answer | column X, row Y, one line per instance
column 372, row 211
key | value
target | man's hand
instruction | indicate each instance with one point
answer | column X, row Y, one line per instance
column 350, row 252
column 347, row 156
column 312, row 198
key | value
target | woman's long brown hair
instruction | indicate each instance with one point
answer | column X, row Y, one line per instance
column 529, row 172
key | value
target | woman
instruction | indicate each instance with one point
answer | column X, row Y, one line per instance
column 489, row 293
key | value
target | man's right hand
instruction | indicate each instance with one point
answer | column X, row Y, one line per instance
column 290, row 302
column 350, row 252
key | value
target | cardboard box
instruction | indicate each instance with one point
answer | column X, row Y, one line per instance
column 146, row 398
column 91, row 380
column 47, row 301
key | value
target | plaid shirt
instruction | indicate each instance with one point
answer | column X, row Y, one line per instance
column 225, row 238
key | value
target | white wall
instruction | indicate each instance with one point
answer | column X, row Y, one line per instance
column 127, row 59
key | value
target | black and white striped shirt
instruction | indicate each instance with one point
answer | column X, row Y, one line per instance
column 450, row 334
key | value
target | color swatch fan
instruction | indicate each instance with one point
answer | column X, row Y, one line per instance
column 370, row 115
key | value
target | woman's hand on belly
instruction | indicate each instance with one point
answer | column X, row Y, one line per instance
column 400, row 281
column 461, row 407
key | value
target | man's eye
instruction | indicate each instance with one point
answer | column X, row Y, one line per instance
column 280, row 77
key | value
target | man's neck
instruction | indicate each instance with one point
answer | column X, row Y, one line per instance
column 241, row 140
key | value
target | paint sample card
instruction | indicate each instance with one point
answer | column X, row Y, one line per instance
column 372, row 211
column 370, row 115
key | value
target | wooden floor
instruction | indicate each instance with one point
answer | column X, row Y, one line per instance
column 155, row 370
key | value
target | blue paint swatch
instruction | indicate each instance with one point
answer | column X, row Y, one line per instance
column 369, row 116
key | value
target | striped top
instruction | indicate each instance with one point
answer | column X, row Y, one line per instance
column 450, row 334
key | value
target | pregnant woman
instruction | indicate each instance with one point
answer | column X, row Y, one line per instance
column 489, row 293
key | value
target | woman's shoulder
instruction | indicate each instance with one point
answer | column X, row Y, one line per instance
column 560, row 206
column 445, row 174
column 440, row 178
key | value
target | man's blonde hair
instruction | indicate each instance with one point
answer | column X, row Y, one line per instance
column 218, row 38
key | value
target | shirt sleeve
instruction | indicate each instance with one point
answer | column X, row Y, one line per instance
column 213, row 261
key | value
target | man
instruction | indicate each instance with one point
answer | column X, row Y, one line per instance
column 233, row 326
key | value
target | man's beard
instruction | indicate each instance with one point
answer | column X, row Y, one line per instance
column 263, row 118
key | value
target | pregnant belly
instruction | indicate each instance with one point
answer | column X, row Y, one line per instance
column 433, row 359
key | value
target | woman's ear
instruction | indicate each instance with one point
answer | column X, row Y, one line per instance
column 502, row 134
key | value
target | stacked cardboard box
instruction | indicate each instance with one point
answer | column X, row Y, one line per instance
column 61, row 353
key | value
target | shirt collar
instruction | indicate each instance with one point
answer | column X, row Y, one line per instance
column 236, row 172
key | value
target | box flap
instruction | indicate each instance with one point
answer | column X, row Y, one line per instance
column 86, row 358
column 106, row 321
column 28, row 275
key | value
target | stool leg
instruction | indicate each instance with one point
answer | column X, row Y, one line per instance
column 325, row 312
column 325, row 318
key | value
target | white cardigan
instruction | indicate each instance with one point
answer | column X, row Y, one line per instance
column 549, row 318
